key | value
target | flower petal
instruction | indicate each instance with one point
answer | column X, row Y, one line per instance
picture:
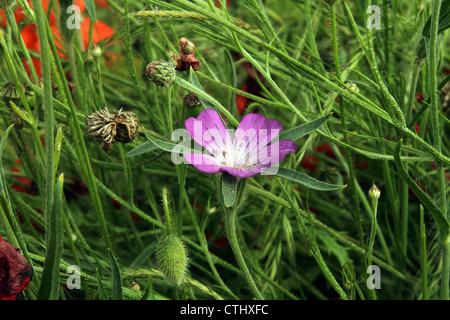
column 273, row 154
column 208, row 130
column 203, row 162
column 241, row 173
column 254, row 132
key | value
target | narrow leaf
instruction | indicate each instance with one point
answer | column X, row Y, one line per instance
column 435, row 211
column 102, row 295
column 146, row 147
column 307, row 181
column 303, row 129
column 116, row 293
column 90, row 9
column 50, row 284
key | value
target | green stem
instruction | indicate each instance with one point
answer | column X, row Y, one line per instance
column 348, row 155
column 437, row 143
column 423, row 254
column 47, row 102
column 230, row 225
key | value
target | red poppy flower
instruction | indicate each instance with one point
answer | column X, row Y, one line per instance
column 309, row 162
column 15, row 272
column 101, row 31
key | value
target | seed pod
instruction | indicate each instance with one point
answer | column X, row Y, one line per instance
column 162, row 73
column 5, row 3
column 191, row 100
column 172, row 259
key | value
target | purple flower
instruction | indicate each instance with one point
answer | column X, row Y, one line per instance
column 243, row 152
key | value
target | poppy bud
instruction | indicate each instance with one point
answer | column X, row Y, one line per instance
column 172, row 259
column 5, row 3
column 162, row 73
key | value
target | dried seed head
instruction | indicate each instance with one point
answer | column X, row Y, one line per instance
column 106, row 128
column 127, row 126
column 162, row 73
column 5, row 3
column 191, row 100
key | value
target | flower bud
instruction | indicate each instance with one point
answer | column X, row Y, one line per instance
column 374, row 193
column 172, row 259
column 162, row 73
column 96, row 51
column 135, row 287
column 353, row 87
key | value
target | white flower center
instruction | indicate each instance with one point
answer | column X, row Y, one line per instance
column 236, row 156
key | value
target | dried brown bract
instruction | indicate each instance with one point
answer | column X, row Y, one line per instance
column 187, row 57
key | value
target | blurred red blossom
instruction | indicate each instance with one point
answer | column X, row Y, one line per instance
column 15, row 272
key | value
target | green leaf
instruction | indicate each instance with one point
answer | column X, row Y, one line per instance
column 50, row 284
column 116, row 293
column 303, row 129
column 444, row 19
column 307, row 181
column 435, row 211
column 90, row 9
column 102, row 295
column 332, row 246
column 146, row 147
column 229, row 189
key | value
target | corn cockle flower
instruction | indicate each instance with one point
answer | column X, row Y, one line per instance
column 250, row 149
